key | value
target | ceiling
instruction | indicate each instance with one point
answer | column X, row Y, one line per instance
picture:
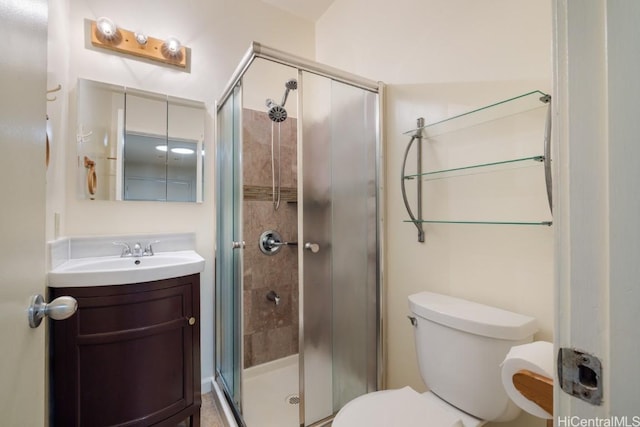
column 308, row 9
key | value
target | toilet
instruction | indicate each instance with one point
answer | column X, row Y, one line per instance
column 460, row 345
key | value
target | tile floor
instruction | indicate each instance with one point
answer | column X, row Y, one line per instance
column 209, row 416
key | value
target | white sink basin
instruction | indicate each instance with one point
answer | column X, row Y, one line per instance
column 115, row 270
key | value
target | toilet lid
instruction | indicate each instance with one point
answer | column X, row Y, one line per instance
column 404, row 407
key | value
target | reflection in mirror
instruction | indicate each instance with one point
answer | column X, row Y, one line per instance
column 100, row 123
column 136, row 145
column 145, row 168
column 185, row 150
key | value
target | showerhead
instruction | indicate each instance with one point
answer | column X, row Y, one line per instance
column 277, row 113
column 291, row 84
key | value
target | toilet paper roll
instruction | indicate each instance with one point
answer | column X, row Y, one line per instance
column 536, row 357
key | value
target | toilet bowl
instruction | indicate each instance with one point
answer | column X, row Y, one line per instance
column 403, row 407
column 460, row 346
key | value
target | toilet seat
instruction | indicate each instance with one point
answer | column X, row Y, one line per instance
column 403, row 407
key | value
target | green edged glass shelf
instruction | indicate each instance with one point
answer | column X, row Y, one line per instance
column 481, row 168
column 498, row 110
column 426, row 221
column 530, row 101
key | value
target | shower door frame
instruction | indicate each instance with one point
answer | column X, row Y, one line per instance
column 234, row 396
column 255, row 51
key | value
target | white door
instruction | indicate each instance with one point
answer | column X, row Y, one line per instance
column 597, row 214
column 23, row 31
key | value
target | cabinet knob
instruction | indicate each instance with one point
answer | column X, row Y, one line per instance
column 192, row 321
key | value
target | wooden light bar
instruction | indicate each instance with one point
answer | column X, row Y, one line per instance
column 125, row 42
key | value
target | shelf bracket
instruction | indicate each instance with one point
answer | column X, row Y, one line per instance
column 416, row 221
column 547, row 152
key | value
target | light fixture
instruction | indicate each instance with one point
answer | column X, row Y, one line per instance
column 180, row 150
column 106, row 29
column 176, row 150
column 105, row 34
column 172, row 48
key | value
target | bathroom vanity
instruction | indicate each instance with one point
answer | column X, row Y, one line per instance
column 130, row 356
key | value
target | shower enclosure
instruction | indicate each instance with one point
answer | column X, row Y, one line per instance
column 298, row 271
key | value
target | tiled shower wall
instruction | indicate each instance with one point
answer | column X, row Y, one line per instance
column 270, row 331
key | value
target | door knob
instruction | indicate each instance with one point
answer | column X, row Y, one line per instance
column 59, row 309
column 313, row 247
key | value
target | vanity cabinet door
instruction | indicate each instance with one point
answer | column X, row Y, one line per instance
column 129, row 357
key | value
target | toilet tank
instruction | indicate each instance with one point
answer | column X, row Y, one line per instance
column 460, row 346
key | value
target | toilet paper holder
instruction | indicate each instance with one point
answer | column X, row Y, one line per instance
column 537, row 388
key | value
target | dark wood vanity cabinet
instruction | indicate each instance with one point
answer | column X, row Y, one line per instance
column 130, row 356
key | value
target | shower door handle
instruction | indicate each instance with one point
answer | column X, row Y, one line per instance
column 313, row 247
column 238, row 245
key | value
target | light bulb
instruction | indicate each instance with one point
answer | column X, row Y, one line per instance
column 107, row 29
column 171, row 47
column 141, row 38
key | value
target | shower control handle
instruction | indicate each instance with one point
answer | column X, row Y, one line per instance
column 313, row 247
column 238, row 245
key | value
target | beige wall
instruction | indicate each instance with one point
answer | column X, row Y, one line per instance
column 441, row 58
column 219, row 33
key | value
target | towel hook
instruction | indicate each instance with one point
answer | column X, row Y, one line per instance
column 56, row 89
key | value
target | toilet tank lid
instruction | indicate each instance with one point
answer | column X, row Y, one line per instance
column 472, row 317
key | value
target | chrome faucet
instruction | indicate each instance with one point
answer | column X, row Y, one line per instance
column 148, row 250
column 137, row 250
column 274, row 297
column 126, row 249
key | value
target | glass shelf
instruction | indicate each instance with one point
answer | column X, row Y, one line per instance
column 426, row 221
column 481, row 168
column 518, row 104
column 531, row 101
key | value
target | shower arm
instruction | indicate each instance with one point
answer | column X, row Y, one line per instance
column 416, row 221
column 284, row 97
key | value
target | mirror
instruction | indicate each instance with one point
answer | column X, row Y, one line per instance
column 138, row 145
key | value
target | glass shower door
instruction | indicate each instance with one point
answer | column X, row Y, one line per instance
column 228, row 242
column 339, row 231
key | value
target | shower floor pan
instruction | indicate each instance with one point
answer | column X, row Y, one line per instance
column 270, row 394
